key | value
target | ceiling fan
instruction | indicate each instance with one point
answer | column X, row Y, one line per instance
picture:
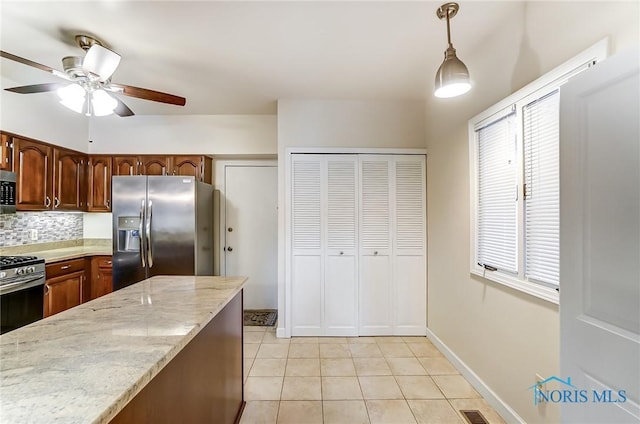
column 89, row 81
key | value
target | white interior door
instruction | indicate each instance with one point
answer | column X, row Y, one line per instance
column 341, row 235
column 409, row 246
column 600, row 241
column 251, row 232
column 307, row 294
column 375, row 288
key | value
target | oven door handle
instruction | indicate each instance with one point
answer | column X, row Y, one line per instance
column 37, row 280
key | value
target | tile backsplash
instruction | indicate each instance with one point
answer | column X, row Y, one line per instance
column 50, row 226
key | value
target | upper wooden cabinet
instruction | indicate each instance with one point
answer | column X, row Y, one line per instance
column 33, row 165
column 69, row 190
column 126, row 165
column 155, row 165
column 99, row 171
column 196, row 166
column 5, row 152
column 48, row 178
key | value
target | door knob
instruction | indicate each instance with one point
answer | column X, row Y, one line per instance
column 230, row 229
column 229, row 249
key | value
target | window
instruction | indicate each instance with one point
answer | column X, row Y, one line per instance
column 515, row 181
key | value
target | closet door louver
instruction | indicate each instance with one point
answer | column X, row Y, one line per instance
column 306, row 266
column 306, row 204
column 375, row 228
column 340, row 282
column 409, row 252
column 375, row 288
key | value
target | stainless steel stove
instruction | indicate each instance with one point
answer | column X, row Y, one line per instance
column 22, row 280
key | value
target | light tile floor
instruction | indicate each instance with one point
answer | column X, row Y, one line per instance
column 352, row 380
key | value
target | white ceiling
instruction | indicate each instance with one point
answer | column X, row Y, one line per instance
column 239, row 57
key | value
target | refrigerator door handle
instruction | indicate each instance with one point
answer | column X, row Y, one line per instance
column 148, row 235
column 140, row 233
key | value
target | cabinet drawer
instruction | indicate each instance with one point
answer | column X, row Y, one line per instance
column 65, row 267
column 103, row 261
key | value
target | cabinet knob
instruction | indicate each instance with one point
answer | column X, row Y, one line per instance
column 47, row 202
column 341, row 253
column 229, row 249
column 65, row 267
column 56, row 202
column 375, row 253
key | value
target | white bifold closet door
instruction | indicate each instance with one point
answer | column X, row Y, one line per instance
column 358, row 245
column 324, row 245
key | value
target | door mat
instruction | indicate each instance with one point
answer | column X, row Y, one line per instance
column 260, row 317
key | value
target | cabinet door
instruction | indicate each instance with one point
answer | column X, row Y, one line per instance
column 69, row 192
column 63, row 292
column 340, row 261
column 101, row 276
column 375, row 288
column 5, row 152
column 155, row 165
column 409, row 246
column 99, row 184
column 306, row 267
column 33, row 165
column 196, row 166
column 125, row 165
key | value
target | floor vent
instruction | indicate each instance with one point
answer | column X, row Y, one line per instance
column 474, row 416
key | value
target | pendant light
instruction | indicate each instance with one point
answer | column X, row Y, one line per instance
column 452, row 78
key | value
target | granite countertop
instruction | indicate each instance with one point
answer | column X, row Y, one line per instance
column 85, row 364
column 63, row 250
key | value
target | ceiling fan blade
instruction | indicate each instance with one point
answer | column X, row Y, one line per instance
column 146, row 94
column 33, row 64
column 36, row 88
column 122, row 109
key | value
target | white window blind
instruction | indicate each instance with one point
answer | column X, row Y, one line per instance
column 541, row 120
column 497, row 191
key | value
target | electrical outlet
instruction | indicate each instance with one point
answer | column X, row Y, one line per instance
column 33, row 234
column 539, row 383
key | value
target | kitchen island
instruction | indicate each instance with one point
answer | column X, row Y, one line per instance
column 167, row 347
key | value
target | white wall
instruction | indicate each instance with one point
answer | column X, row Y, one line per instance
column 41, row 117
column 184, row 134
column 97, row 226
column 504, row 336
column 340, row 123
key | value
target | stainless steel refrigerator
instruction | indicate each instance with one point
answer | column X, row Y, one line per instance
column 162, row 225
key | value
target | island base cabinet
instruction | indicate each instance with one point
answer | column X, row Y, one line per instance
column 202, row 384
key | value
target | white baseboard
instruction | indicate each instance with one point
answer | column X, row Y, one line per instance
column 281, row 333
column 489, row 395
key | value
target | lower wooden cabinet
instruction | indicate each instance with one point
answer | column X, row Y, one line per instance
column 101, row 277
column 64, row 286
column 70, row 283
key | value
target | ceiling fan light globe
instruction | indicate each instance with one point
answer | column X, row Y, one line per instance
column 72, row 96
column 102, row 103
column 101, row 62
column 71, row 92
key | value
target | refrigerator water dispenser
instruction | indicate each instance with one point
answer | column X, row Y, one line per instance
column 128, row 234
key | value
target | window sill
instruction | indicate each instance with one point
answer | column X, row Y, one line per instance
column 542, row 292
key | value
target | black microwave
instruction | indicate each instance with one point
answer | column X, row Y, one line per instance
column 7, row 192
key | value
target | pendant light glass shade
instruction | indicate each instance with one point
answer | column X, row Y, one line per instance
column 452, row 78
